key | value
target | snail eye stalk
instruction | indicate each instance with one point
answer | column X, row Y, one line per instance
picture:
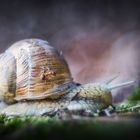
column 110, row 87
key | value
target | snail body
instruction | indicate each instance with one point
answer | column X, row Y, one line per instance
column 35, row 80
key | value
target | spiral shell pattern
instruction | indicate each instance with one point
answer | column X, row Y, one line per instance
column 38, row 69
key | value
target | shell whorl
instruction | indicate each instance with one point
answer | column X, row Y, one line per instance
column 7, row 76
column 41, row 72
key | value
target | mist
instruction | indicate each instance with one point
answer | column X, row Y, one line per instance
column 99, row 39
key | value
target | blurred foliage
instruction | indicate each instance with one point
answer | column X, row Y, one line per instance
column 132, row 103
column 38, row 127
column 128, row 106
column 135, row 96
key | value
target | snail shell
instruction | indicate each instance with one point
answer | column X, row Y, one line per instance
column 32, row 69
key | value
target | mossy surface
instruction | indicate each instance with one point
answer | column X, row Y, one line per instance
column 132, row 103
column 50, row 128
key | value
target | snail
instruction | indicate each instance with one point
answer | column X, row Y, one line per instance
column 35, row 80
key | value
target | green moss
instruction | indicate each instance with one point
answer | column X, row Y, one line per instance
column 35, row 127
column 128, row 106
column 47, row 128
column 132, row 103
